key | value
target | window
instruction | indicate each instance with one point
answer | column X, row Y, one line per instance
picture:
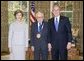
column 14, row 5
column 67, row 9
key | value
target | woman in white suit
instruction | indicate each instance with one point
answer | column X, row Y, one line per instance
column 18, row 37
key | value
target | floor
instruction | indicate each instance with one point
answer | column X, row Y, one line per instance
column 6, row 57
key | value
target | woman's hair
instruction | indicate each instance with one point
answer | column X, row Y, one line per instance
column 18, row 11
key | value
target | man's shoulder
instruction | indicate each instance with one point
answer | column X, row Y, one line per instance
column 51, row 18
column 45, row 21
column 64, row 17
column 34, row 23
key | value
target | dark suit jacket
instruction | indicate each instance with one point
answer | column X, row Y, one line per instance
column 44, row 35
column 59, row 39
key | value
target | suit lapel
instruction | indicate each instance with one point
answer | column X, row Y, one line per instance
column 60, row 22
column 53, row 24
column 43, row 27
column 36, row 26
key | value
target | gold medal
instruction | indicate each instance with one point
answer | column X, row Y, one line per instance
column 38, row 35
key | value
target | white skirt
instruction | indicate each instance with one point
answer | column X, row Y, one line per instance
column 18, row 53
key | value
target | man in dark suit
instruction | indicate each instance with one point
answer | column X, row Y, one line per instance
column 39, row 37
column 60, row 34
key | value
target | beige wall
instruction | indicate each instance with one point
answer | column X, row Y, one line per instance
column 4, row 26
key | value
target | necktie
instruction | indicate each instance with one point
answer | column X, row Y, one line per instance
column 40, row 27
column 56, row 24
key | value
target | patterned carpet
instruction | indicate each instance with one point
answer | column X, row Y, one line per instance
column 6, row 57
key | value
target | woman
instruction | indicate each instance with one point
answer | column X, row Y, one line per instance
column 18, row 37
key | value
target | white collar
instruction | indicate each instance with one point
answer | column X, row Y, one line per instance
column 58, row 17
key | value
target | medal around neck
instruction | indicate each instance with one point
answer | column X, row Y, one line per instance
column 38, row 35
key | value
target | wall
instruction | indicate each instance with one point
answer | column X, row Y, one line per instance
column 4, row 26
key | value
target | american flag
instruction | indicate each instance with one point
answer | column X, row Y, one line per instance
column 32, row 11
